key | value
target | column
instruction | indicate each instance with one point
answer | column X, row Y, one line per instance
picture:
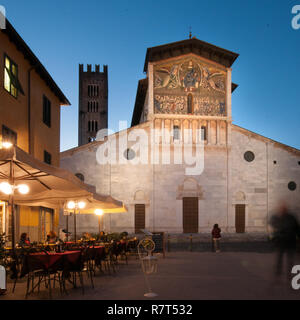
column 218, row 132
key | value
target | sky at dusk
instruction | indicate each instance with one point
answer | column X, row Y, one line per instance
column 64, row 33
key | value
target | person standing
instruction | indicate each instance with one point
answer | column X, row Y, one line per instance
column 216, row 236
column 286, row 230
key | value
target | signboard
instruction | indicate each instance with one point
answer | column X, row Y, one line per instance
column 159, row 240
column 146, row 232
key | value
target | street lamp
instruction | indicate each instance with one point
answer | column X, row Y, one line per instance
column 6, row 144
column 9, row 189
column 75, row 205
column 99, row 213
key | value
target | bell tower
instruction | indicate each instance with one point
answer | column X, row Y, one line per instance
column 93, row 103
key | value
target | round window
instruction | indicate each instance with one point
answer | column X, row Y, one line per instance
column 249, row 156
column 80, row 176
column 129, row 154
column 292, row 186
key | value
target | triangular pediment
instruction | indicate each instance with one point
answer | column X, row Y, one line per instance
column 195, row 46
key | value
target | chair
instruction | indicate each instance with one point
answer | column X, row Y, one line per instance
column 72, row 269
column 34, row 267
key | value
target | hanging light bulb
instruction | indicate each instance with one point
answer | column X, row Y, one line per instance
column 99, row 212
column 23, row 188
column 81, row 204
column 6, row 144
column 71, row 205
column 6, row 188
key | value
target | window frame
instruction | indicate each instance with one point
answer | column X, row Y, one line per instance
column 12, row 135
column 47, row 154
column 11, row 63
column 46, row 112
column 176, row 133
column 203, row 130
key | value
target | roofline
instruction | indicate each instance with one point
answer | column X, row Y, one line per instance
column 285, row 146
column 71, row 151
column 138, row 109
column 34, row 61
column 203, row 43
column 93, row 144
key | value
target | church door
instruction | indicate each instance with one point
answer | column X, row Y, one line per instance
column 240, row 218
column 190, row 215
column 139, row 217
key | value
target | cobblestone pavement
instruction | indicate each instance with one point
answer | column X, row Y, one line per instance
column 184, row 275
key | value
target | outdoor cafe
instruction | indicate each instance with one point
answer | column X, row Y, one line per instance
column 28, row 183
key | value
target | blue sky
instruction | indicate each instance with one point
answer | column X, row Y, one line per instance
column 64, row 33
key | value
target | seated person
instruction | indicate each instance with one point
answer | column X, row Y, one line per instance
column 24, row 240
column 51, row 238
column 86, row 236
column 64, row 235
column 102, row 236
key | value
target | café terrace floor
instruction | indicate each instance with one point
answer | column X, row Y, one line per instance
column 183, row 275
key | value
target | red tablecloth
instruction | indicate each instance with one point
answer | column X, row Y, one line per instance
column 50, row 258
column 98, row 249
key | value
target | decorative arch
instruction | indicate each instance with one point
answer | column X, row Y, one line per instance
column 80, row 176
column 189, row 188
column 139, row 195
column 240, row 196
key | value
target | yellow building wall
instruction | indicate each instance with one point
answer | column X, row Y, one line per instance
column 29, row 216
column 14, row 111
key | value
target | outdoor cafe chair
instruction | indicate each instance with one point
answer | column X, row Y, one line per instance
column 74, row 268
column 44, row 267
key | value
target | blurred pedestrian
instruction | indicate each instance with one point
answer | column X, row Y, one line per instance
column 286, row 229
column 216, row 236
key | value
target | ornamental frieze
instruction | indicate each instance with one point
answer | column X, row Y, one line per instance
column 189, row 86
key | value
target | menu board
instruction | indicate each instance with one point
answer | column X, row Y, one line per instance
column 159, row 240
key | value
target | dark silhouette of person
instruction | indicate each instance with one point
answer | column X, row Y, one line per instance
column 24, row 240
column 286, row 229
column 216, row 236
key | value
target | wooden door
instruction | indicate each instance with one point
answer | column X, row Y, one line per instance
column 240, row 218
column 139, row 219
column 190, row 215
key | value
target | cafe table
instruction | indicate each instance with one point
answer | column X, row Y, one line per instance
column 46, row 264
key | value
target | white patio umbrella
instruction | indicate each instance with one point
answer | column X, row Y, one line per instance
column 47, row 185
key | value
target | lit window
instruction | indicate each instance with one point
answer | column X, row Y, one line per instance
column 9, row 135
column 11, row 82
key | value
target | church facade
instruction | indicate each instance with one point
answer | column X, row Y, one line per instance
column 183, row 165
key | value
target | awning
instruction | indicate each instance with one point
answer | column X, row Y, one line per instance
column 111, row 210
column 49, row 186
